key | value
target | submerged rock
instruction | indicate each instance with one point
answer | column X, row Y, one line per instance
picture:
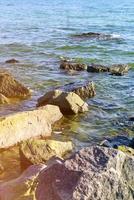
column 97, row 68
column 83, row 89
column 24, row 125
column 69, row 65
column 117, row 141
column 11, row 88
column 91, row 173
column 119, row 70
column 3, row 99
column 68, row 102
column 12, row 61
column 39, row 151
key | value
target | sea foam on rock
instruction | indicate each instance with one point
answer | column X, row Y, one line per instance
column 24, row 125
column 92, row 173
column 68, row 102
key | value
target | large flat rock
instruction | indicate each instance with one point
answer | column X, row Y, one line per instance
column 24, row 125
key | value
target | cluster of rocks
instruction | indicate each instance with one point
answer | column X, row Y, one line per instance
column 102, row 171
column 117, row 69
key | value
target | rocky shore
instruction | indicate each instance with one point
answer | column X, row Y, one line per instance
column 51, row 169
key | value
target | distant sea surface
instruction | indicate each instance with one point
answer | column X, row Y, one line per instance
column 39, row 33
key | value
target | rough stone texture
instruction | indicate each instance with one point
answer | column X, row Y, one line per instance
column 11, row 88
column 1, row 168
column 69, row 65
column 12, row 61
column 69, row 103
column 126, row 149
column 24, row 125
column 39, row 151
column 3, row 99
column 97, row 68
column 94, row 173
column 22, row 188
column 82, row 89
column 119, row 70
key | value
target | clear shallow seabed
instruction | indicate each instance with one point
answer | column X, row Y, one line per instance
column 38, row 33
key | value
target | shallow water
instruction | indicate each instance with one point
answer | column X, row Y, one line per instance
column 38, row 33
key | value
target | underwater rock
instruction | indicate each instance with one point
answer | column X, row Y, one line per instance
column 11, row 88
column 83, row 89
column 24, row 125
column 117, row 141
column 39, row 151
column 68, row 102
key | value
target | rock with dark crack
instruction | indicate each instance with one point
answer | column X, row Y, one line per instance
column 119, row 70
column 11, row 88
column 12, row 61
column 68, row 102
column 96, row 68
column 39, row 151
column 92, row 173
column 69, row 65
column 24, row 125
column 22, row 187
column 83, row 89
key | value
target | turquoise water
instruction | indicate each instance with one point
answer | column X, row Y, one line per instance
column 38, row 33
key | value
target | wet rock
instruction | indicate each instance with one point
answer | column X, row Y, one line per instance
column 131, row 119
column 119, row 70
column 68, row 102
column 11, row 88
column 96, row 68
column 92, row 173
column 22, row 187
column 89, row 35
column 24, row 125
column 69, row 65
column 83, row 89
column 39, row 151
column 12, row 61
column 114, row 142
column 3, row 99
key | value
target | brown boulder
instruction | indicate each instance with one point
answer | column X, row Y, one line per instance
column 11, row 88
column 12, row 61
column 82, row 89
column 96, row 68
column 69, row 103
column 24, row 125
column 119, row 70
column 68, row 65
